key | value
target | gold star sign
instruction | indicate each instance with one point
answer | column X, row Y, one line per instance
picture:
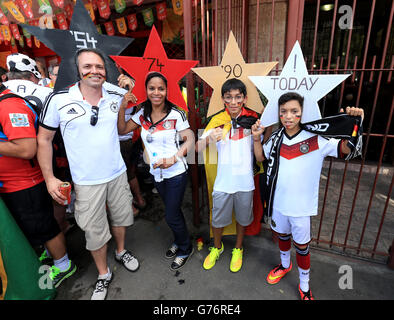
column 233, row 66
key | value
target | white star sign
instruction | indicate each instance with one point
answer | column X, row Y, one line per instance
column 295, row 78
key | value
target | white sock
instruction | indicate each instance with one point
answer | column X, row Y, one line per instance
column 63, row 263
column 304, row 279
column 285, row 258
column 105, row 276
column 120, row 254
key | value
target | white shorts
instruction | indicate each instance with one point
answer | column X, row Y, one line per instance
column 298, row 227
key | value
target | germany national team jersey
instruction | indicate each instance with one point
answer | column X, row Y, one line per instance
column 300, row 164
column 93, row 151
column 235, row 158
column 161, row 140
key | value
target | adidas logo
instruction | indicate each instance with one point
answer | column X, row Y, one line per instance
column 72, row 111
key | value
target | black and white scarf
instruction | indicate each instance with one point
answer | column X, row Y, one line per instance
column 341, row 126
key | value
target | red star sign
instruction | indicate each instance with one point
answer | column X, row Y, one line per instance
column 155, row 59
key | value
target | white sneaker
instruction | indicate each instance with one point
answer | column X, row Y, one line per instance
column 101, row 288
column 128, row 260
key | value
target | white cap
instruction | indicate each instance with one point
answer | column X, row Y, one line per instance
column 20, row 62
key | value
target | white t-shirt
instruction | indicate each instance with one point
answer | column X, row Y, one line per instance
column 32, row 92
column 37, row 94
column 300, row 163
column 164, row 141
column 127, row 116
column 93, row 152
column 235, row 162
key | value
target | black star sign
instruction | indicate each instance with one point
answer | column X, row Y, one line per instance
column 81, row 34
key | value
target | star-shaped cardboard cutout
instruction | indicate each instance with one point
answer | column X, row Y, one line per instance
column 295, row 78
column 155, row 59
column 82, row 34
column 233, row 66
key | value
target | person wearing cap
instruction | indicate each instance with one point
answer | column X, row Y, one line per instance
column 23, row 80
column 23, row 77
column 22, row 185
column 86, row 114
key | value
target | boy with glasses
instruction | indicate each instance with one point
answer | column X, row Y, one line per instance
column 234, row 184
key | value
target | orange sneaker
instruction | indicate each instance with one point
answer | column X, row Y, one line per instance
column 305, row 295
column 278, row 273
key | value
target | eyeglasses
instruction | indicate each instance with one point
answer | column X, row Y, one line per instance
column 94, row 117
column 237, row 98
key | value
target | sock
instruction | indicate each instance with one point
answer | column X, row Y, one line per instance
column 105, row 276
column 285, row 258
column 120, row 254
column 284, row 246
column 304, row 264
column 63, row 263
column 304, row 279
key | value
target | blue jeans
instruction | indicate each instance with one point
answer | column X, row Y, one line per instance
column 172, row 191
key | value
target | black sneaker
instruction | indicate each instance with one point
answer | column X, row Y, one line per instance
column 179, row 262
column 101, row 288
column 171, row 252
column 58, row 276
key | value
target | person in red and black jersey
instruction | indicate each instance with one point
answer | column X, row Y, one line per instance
column 22, row 184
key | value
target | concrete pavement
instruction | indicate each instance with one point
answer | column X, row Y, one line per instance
column 150, row 237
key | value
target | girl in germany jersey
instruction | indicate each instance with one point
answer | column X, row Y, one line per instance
column 162, row 123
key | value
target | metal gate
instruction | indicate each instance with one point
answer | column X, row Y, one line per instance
column 356, row 208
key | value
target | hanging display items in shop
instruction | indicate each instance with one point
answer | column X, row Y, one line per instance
column 120, row 5
column 121, row 24
column 148, row 17
column 82, row 34
column 161, row 10
column 57, row 14
column 26, row 8
column 104, row 9
column 3, row 18
column 62, row 21
column 132, row 21
column 14, row 11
